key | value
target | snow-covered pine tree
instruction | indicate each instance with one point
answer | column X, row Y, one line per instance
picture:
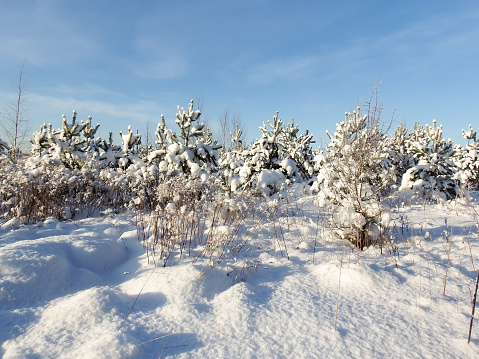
column 188, row 151
column 269, row 147
column 66, row 143
column 186, row 121
column 432, row 175
column 278, row 158
column 319, row 159
column 164, row 137
column 129, row 141
column 353, row 176
column 398, row 155
column 258, row 166
column 63, row 145
column 92, row 145
column 208, row 138
column 39, row 141
column 236, row 142
column 298, row 148
column 74, row 144
column 263, row 162
column 109, row 154
column 234, row 174
column 467, row 161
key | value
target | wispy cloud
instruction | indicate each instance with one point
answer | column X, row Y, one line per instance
column 280, row 69
column 44, row 34
column 84, row 90
column 449, row 35
column 112, row 116
column 137, row 110
column 155, row 59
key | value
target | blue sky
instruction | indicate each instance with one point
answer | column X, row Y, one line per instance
column 127, row 62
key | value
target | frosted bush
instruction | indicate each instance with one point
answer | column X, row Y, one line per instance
column 298, row 149
column 434, row 169
column 129, row 141
column 279, row 151
column 353, row 178
column 270, row 181
column 50, row 190
column 398, row 155
column 188, row 152
column 4, row 152
column 467, row 161
column 74, row 145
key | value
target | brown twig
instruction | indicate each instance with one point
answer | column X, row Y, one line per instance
column 473, row 308
column 339, row 289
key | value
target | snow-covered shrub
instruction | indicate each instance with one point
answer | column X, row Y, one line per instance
column 467, row 161
column 175, row 221
column 236, row 141
column 353, row 177
column 39, row 141
column 74, row 171
column 8, row 188
column 298, row 149
column 432, row 175
column 75, row 144
column 264, row 154
column 318, row 162
column 38, row 192
column 44, row 188
column 66, row 144
column 234, row 173
column 33, row 190
column 278, row 158
column 4, row 148
column 195, row 219
column 268, row 150
column 270, row 181
column 188, row 152
column 108, row 154
column 129, row 144
column 141, row 182
column 129, row 141
column 398, row 155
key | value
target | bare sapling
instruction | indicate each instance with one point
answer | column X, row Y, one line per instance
column 14, row 124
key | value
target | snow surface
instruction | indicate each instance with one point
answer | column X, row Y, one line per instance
column 86, row 289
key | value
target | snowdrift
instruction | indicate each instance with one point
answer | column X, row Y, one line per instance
column 87, row 289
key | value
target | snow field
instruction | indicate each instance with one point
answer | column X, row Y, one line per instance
column 85, row 289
